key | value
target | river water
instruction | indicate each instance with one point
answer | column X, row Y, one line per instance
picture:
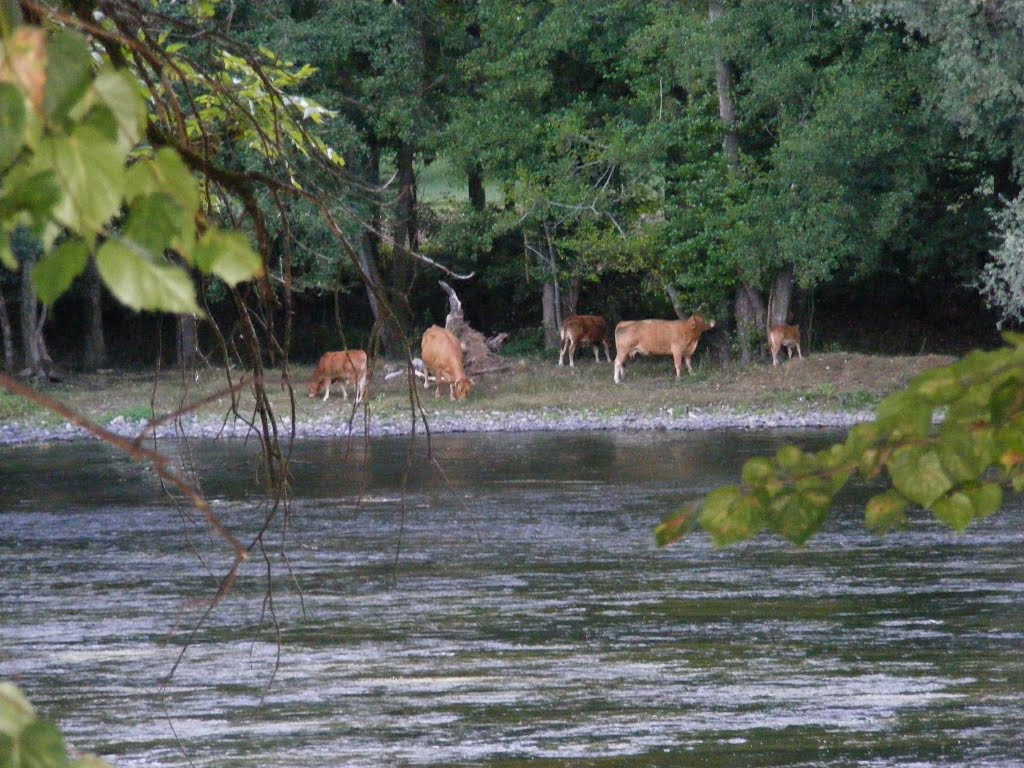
column 499, row 602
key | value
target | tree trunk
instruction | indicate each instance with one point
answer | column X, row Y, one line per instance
column 477, row 194
column 392, row 337
column 750, row 314
column 749, row 302
column 8, row 336
column 780, row 298
column 95, row 355
column 33, row 321
column 187, row 342
column 677, row 303
column 552, row 333
column 478, row 351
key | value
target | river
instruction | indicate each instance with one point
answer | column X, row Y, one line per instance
column 499, row 602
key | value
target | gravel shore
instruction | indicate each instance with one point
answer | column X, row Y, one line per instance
column 547, row 420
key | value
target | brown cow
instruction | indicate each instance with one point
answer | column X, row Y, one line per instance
column 347, row 366
column 584, row 329
column 787, row 336
column 658, row 337
column 442, row 355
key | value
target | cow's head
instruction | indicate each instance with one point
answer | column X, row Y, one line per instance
column 701, row 325
column 462, row 388
column 315, row 387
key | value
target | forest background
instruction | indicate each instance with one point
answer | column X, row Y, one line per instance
column 858, row 163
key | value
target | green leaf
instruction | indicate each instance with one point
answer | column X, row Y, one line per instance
column 165, row 172
column 799, row 514
column 955, row 510
column 120, row 93
column 917, row 473
column 938, row 386
column 90, row 171
column 6, row 254
column 757, row 472
column 227, row 255
column 12, row 124
column 140, row 283
column 885, row 511
column 986, row 498
column 728, row 516
column 69, row 71
column 965, row 454
column 54, row 273
column 42, row 746
column 674, row 527
column 904, row 416
column 154, row 221
column 35, row 194
column 15, row 710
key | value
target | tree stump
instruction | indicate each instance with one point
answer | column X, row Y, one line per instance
column 478, row 351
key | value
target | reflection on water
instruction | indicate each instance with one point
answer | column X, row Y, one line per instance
column 500, row 601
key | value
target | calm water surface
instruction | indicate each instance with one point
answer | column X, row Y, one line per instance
column 503, row 607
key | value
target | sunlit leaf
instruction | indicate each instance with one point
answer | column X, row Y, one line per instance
column 55, row 272
column 15, row 710
column 140, row 283
column 166, row 172
column 757, row 471
column 227, row 255
column 885, row 511
column 35, row 194
column 23, row 62
column 12, row 124
column 121, row 95
column 938, row 386
column 69, row 71
column 90, row 171
column 917, row 473
column 904, row 416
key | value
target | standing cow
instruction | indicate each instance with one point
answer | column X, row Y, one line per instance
column 347, row 366
column 442, row 355
column 658, row 337
column 578, row 330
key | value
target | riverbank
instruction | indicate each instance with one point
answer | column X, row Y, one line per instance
column 829, row 390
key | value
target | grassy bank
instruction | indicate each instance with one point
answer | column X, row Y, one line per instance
column 828, row 382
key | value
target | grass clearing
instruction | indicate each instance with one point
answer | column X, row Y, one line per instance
column 835, row 381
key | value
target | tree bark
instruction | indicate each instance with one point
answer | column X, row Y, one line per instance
column 552, row 333
column 477, row 193
column 780, row 298
column 478, row 351
column 8, row 336
column 33, row 322
column 187, row 342
column 749, row 302
column 94, row 356
column 750, row 314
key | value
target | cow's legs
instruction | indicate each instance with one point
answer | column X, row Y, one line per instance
column 327, row 389
column 572, row 352
column 561, row 352
column 619, row 371
column 607, row 354
column 597, row 354
column 677, row 358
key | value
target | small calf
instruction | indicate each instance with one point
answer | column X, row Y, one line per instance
column 787, row 336
column 584, row 329
column 347, row 366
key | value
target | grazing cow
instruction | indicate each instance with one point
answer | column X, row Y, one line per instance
column 348, row 366
column 584, row 329
column 787, row 336
column 442, row 356
column 658, row 337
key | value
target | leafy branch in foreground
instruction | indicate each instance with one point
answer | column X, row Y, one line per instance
column 26, row 740
column 957, row 468
column 74, row 172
